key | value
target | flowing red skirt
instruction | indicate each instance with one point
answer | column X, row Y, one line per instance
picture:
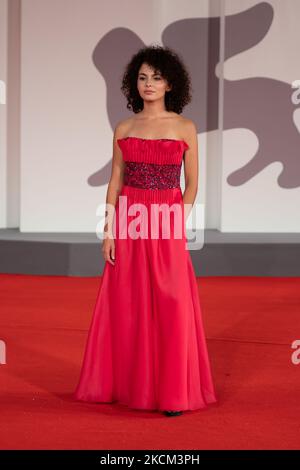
column 146, row 346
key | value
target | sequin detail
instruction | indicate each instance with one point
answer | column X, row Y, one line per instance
column 151, row 175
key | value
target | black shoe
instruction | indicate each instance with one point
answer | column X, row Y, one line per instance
column 173, row 413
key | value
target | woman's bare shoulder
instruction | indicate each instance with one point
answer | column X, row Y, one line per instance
column 122, row 127
column 188, row 126
column 187, row 122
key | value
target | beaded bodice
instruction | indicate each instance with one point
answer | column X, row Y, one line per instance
column 152, row 175
column 152, row 163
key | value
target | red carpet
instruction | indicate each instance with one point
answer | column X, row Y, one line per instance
column 250, row 324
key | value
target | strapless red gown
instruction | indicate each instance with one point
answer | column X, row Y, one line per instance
column 146, row 346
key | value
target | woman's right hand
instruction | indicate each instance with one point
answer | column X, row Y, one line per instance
column 108, row 250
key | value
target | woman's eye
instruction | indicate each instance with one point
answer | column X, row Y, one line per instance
column 156, row 78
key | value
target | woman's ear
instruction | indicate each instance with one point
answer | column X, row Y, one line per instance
column 169, row 87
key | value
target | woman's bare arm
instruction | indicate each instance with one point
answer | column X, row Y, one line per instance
column 190, row 167
column 116, row 179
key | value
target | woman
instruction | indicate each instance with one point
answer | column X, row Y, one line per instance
column 146, row 346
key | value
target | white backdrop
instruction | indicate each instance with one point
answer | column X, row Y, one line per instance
column 66, row 135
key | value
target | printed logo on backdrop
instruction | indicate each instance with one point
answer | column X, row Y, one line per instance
column 261, row 104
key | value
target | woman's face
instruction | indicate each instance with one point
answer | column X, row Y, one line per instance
column 150, row 81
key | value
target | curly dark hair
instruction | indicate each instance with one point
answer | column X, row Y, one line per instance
column 172, row 68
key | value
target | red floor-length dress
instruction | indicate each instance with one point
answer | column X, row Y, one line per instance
column 146, row 346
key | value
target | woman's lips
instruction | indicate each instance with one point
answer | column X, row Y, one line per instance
column 149, row 92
